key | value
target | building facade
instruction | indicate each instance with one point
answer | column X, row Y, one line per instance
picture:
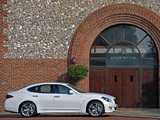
column 119, row 40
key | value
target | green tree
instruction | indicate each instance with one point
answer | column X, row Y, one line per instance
column 78, row 72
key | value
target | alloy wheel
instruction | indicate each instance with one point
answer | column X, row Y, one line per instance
column 95, row 109
column 28, row 109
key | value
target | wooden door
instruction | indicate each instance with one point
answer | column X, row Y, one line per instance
column 124, row 84
column 149, row 89
column 97, row 80
column 113, row 83
column 133, row 87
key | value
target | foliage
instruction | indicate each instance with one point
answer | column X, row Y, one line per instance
column 78, row 72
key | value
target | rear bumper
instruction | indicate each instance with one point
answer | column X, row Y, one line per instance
column 10, row 111
column 9, row 106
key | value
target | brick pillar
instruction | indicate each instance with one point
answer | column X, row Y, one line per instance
column 3, row 13
column 3, row 26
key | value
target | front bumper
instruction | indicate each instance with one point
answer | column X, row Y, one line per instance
column 110, row 106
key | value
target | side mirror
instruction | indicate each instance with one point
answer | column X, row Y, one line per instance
column 71, row 92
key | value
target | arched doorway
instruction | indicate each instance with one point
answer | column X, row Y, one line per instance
column 124, row 63
column 116, row 14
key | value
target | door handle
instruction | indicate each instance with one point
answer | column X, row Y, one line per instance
column 57, row 96
column 115, row 78
column 34, row 95
column 131, row 78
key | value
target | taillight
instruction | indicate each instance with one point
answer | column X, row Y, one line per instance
column 9, row 96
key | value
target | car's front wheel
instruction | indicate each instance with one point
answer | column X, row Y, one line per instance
column 95, row 109
column 28, row 109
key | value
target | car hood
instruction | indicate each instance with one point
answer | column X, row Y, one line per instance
column 97, row 95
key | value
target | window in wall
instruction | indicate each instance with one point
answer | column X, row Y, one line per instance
column 123, row 45
column 101, row 62
column 99, row 48
column 148, row 52
column 123, row 54
column 148, row 48
column 133, row 34
column 113, row 34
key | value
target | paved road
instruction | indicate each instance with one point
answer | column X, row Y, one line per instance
column 68, row 117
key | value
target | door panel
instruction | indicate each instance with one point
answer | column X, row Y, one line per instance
column 66, row 102
column 97, row 80
column 43, row 101
column 42, row 95
column 114, row 84
column 126, row 87
column 131, row 86
column 149, row 88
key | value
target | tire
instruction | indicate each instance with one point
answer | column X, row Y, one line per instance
column 95, row 109
column 28, row 109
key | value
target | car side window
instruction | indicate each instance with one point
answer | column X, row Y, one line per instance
column 61, row 89
column 42, row 89
column 45, row 89
column 34, row 89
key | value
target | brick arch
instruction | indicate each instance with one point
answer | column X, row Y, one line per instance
column 108, row 16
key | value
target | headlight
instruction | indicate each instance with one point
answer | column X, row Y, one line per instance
column 107, row 99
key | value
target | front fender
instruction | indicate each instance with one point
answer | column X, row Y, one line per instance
column 85, row 103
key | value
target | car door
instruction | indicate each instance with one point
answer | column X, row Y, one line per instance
column 43, row 97
column 64, row 101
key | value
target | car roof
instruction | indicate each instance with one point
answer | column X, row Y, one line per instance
column 44, row 83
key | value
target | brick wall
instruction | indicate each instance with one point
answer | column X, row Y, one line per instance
column 3, row 37
column 18, row 73
column 3, row 25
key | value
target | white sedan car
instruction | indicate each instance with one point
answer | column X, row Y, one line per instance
column 57, row 98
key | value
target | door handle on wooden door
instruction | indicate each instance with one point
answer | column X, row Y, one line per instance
column 115, row 78
column 131, row 78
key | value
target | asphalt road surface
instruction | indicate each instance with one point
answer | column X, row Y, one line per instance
column 68, row 117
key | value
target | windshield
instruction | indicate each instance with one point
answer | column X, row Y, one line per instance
column 77, row 89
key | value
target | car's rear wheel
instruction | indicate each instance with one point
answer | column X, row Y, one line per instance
column 95, row 109
column 28, row 109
